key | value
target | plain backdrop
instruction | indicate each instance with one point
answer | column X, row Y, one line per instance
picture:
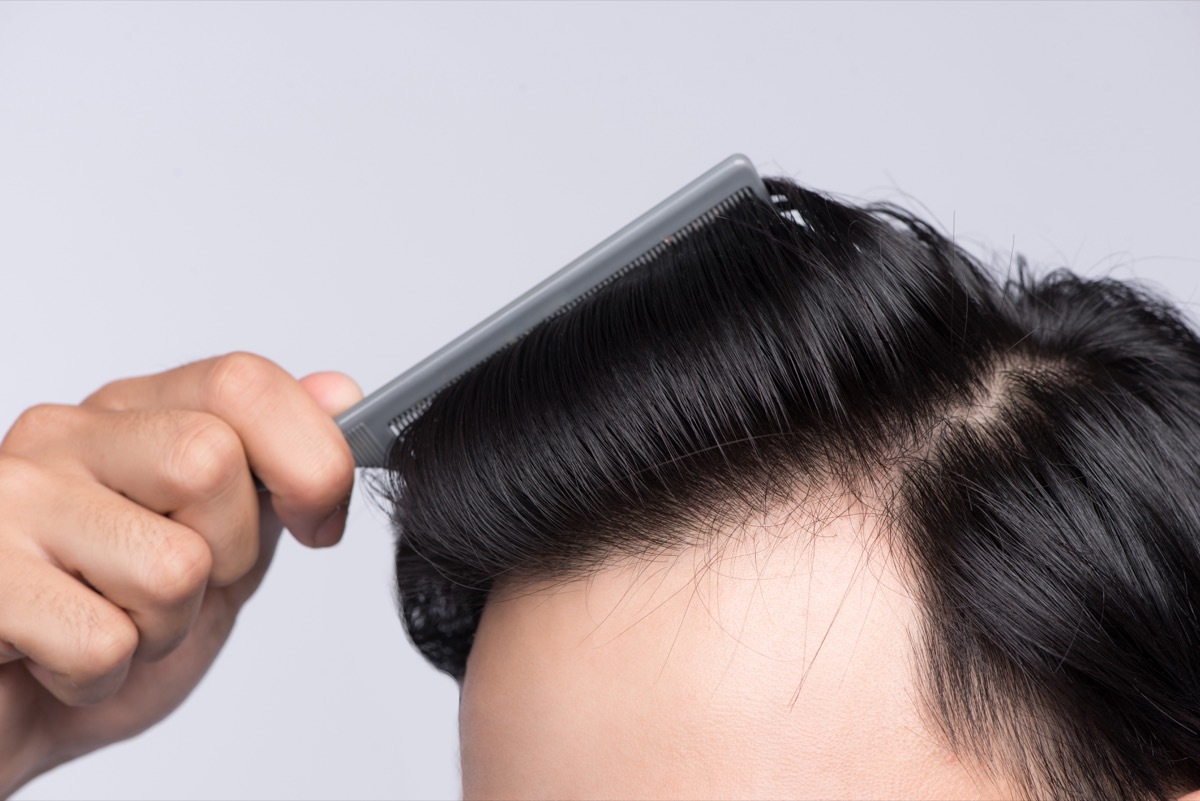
column 348, row 186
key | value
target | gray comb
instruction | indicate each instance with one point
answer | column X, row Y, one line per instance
column 374, row 423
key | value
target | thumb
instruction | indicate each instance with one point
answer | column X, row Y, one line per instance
column 333, row 392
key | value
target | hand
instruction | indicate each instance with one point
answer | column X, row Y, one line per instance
column 131, row 534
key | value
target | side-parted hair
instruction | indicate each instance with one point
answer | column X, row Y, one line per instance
column 1038, row 439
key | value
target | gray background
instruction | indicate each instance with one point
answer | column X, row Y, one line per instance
column 349, row 186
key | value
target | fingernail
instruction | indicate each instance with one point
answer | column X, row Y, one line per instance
column 329, row 532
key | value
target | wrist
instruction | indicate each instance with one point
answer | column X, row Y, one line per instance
column 25, row 753
column 18, row 767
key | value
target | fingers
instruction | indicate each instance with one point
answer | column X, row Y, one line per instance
column 80, row 645
column 153, row 568
column 333, row 392
column 122, row 513
column 187, row 465
column 149, row 566
column 291, row 443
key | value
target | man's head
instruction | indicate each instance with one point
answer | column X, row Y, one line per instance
column 812, row 506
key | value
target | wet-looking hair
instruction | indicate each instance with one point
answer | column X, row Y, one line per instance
column 1034, row 441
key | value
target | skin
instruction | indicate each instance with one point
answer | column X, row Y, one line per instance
column 773, row 663
column 132, row 535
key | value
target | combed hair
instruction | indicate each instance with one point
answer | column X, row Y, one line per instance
column 1038, row 438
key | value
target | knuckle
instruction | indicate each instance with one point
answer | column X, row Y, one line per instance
column 20, row 478
column 177, row 569
column 237, row 380
column 38, row 424
column 108, row 396
column 204, row 457
column 109, row 646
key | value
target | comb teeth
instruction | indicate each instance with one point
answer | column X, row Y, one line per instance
column 365, row 447
column 410, row 415
column 708, row 218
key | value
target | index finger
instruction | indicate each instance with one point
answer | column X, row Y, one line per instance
column 291, row 444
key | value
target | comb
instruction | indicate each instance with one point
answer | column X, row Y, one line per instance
column 374, row 424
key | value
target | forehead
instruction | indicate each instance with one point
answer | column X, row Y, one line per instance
column 664, row 664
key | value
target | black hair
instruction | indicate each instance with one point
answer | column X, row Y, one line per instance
column 1037, row 439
